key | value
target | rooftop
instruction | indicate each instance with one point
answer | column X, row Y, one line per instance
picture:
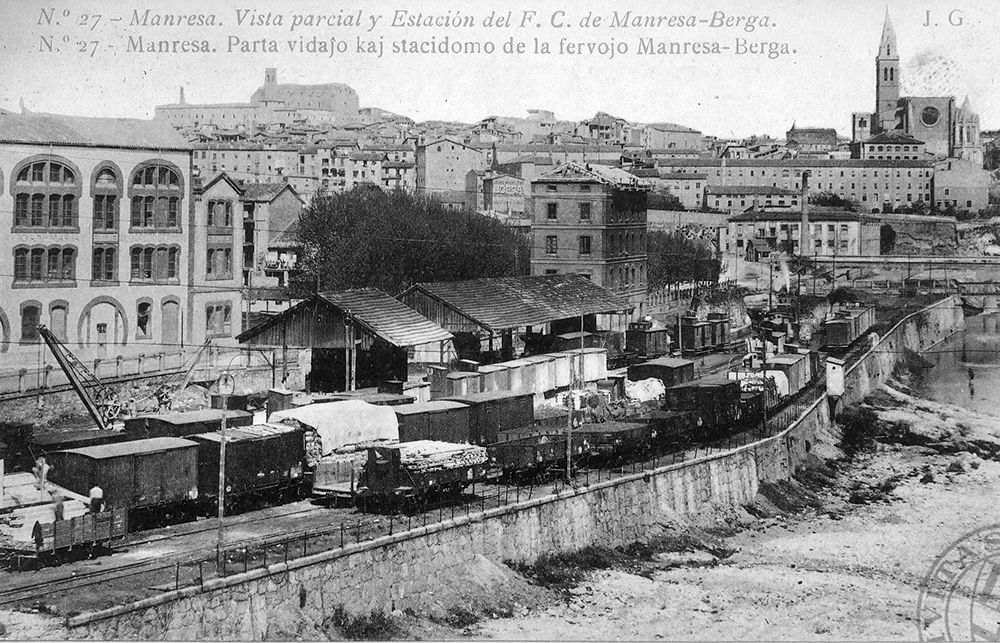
column 82, row 131
column 750, row 189
column 894, row 137
column 795, row 217
column 502, row 303
column 591, row 173
column 375, row 311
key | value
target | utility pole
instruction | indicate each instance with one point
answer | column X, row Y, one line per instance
column 226, row 387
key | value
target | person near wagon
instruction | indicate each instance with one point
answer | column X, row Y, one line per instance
column 41, row 471
column 57, row 506
column 96, row 499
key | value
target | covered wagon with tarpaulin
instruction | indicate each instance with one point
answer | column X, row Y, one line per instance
column 355, row 338
column 337, row 438
column 497, row 319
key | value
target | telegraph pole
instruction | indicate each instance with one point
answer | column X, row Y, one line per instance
column 226, row 387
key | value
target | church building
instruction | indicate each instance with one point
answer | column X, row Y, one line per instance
column 939, row 124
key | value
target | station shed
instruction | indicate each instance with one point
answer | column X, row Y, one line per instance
column 487, row 316
column 356, row 338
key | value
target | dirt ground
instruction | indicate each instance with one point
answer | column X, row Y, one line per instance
column 841, row 570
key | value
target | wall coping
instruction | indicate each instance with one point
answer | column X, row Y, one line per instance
column 896, row 326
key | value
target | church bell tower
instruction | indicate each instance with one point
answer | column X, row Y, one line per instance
column 886, row 80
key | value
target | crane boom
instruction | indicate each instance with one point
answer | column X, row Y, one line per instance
column 103, row 410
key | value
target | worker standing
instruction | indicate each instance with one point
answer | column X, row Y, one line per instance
column 41, row 471
column 57, row 506
column 96, row 499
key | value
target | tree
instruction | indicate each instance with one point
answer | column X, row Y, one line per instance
column 370, row 238
column 673, row 257
column 832, row 199
column 663, row 199
column 887, row 239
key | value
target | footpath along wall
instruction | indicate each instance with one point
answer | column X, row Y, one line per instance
column 406, row 569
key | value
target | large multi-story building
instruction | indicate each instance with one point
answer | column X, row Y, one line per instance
column 591, row 220
column 442, row 170
column 871, row 183
column 106, row 242
column 756, row 234
column 273, row 102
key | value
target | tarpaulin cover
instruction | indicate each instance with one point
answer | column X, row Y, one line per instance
column 341, row 424
column 646, row 390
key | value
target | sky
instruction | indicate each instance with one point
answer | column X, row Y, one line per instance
column 827, row 72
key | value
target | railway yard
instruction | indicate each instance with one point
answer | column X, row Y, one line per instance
column 703, row 405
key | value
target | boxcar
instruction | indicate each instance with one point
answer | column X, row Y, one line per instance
column 642, row 339
column 45, row 443
column 179, row 425
column 258, row 457
column 670, row 370
column 133, row 475
column 616, row 438
column 492, row 412
column 796, row 367
column 435, row 420
column 716, row 401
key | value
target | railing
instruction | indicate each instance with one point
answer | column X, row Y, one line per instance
column 672, row 293
column 49, row 378
column 261, row 553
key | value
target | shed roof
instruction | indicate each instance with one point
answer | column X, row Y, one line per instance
column 202, row 415
column 501, row 303
column 132, row 447
column 83, row 131
column 377, row 312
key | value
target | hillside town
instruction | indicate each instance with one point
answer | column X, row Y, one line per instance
column 303, row 359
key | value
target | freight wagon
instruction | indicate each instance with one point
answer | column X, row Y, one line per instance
column 260, row 459
column 670, row 370
column 642, row 339
column 436, row 420
column 795, row 368
column 716, row 403
column 179, row 425
column 135, row 475
column 615, row 440
column 493, row 412
column 525, row 455
column 847, row 324
column 42, row 444
column 418, row 471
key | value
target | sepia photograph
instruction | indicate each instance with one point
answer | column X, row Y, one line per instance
column 522, row 320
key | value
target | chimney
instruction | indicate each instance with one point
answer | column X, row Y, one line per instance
column 180, row 100
column 804, row 225
column 270, row 76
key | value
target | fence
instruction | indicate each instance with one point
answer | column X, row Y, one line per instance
column 673, row 293
column 47, row 377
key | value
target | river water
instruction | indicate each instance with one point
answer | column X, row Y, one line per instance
column 966, row 369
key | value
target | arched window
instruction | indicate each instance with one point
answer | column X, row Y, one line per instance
column 154, row 264
column 31, row 316
column 156, row 192
column 105, row 189
column 46, row 195
column 58, row 312
column 143, row 320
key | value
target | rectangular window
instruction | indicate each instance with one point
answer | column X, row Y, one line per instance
column 585, row 188
column 551, row 245
column 552, row 211
column 585, row 245
column 550, row 187
column 585, row 211
column 37, row 258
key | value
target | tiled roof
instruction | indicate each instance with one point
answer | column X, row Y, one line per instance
column 386, row 317
column 132, row 447
column 53, row 129
column 895, row 137
column 673, row 127
column 262, row 192
column 684, row 176
column 792, row 163
column 377, row 312
column 287, row 238
column 513, row 302
column 815, row 216
column 593, row 172
column 749, row 189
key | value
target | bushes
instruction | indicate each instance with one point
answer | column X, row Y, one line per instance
column 860, row 426
column 377, row 626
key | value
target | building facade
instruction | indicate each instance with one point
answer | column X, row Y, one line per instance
column 103, row 236
column 591, row 220
column 738, row 198
column 946, row 128
column 271, row 103
column 870, row 183
column 442, row 170
column 755, row 235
